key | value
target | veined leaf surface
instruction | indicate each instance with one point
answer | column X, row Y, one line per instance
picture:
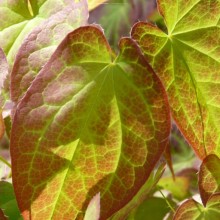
column 209, row 177
column 42, row 41
column 187, row 61
column 19, row 18
column 195, row 211
column 87, row 124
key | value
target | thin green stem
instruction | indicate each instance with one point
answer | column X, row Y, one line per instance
column 5, row 161
column 168, row 203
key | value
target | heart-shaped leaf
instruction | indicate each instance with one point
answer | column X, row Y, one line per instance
column 42, row 41
column 187, row 61
column 209, row 177
column 195, row 211
column 88, row 123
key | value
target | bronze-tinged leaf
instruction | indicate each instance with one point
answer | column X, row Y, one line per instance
column 186, row 58
column 209, row 177
column 87, row 124
column 192, row 210
column 42, row 41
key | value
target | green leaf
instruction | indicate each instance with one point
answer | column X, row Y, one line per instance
column 179, row 187
column 87, row 124
column 209, row 177
column 8, row 203
column 195, row 211
column 43, row 39
column 141, row 195
column 17, row 20
column 152, row 208
column 187, row 61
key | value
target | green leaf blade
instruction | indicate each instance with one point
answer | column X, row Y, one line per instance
column 186, row 60
column 77, row 135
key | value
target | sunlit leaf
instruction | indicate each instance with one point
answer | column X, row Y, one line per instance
column 195, row 211
column 209, row 177
column 43, row 39
column 187, row 60
column 17, row 20
column 179, row 187
column 88, row 123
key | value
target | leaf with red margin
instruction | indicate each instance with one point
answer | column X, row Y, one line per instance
column 95, row 3
column 209, row 177
column 187, row 61
column 141, row 195
column 42, row 41
column 18, row 19
column 87, row 124
column 195, row 211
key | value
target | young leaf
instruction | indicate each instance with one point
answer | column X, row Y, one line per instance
column 195, row 211
column 42, row 41
column 93, row 209
column 87, row 124
column 18, row 19
column 209, row 177
column 187, row 61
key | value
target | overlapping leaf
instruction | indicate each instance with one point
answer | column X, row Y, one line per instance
column 195, row 211
column 209, row 177
column 142, row 194
column 18, row 19
column 187, row 60
column 87, row 124
column 43, row 40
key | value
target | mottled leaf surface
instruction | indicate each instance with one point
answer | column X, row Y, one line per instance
column 87, row 124
column 42, row 41
column 18, row 19
column 209, row 177
column 186, row 58
column 195, row 211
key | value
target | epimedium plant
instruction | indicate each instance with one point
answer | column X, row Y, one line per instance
column 89, row 126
